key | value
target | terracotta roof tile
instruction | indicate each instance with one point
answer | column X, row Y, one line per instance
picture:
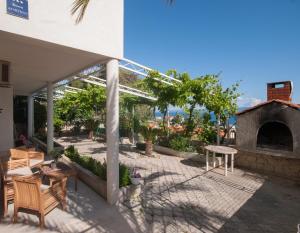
column 292, row 105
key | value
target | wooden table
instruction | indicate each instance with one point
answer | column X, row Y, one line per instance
column 224, row 150
column 61, row 170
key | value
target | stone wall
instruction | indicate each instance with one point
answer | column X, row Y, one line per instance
column 269, row 164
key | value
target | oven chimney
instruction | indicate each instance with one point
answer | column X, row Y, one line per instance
column 280, row 90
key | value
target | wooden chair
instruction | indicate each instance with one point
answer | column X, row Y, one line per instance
column 33, row 197
column 18, row 153
column 35, row 158
column 8, row 169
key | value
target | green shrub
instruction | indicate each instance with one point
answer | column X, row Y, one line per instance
column 96, row 167
column 100, row 170
column 141, row 146
column 72, row 154
column 181, row 143
column 124, row 177
column 163, row 141
column 208, row 135
column 58, row 125
column 56, row 153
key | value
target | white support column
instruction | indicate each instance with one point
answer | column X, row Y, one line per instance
column 50, row 128
column 132, row 128
column 207, row 160
column 30, row 116
column 112, row 130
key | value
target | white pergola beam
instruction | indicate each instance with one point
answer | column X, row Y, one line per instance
column 121, row 90
column 70, row 91
column 144, row 74
column 142, row 67
column 74, row 88
column 120, row 85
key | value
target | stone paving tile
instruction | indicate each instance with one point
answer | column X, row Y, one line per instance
column 180, row 196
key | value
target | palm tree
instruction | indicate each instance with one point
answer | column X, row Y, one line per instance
column 149, row 131
column 79, row 8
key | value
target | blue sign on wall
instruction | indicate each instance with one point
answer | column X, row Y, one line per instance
column 18, row 8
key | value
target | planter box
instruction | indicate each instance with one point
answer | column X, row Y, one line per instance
column 99, row 185
column 186, row 155
column 86, row 176
column 43, row 146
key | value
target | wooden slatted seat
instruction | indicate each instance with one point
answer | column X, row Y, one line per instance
column 7, row 170
column 33, row 197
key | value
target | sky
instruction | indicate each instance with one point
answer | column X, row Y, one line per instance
column 252, row 41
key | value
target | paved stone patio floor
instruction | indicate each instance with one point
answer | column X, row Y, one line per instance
column 179, row 196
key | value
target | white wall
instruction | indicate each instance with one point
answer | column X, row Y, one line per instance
column 6, row 119
column 100, row 32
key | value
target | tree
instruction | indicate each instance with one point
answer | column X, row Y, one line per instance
column 166, row 94
column 82, row 108
column 223, row 102
column 133, row 110
column 196, row 93
column 79, row 7
column 189, row 93
column 149, row 130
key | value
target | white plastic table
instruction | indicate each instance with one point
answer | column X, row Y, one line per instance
column 220, row 150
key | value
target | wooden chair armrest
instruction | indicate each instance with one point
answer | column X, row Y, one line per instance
column 36, row 155
column 54, row 195
column 25, row 148
column 57, row 189
column 17, row 163
column 7, row 181
column 21, row 156
column 18, row 160
column 53, row 180
column 32, row 178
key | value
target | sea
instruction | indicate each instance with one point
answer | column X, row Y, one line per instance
column 232, row 120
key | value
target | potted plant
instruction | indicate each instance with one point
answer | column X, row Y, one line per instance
column 149, row 131
column 55, row 154
column 135, row 177
column 136, row 189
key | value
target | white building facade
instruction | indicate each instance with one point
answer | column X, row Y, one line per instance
column 40, row 44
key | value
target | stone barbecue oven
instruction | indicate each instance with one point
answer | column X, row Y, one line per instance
column 273, row 126
column 268, row 134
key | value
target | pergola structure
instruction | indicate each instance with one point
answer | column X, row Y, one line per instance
column 108, row 77
column 95, row 75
